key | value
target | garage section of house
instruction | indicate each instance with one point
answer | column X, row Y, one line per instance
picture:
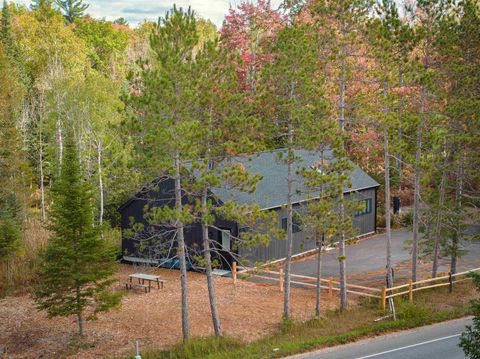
column 270, row 195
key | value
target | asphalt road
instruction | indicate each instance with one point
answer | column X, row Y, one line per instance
column 438, row 341
column 368, row 255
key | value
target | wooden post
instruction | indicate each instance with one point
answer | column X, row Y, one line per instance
column 330, row 289
column 450, row 281
column 234, row 272
column 281, row 279
column 383, row 303
column 410, row 291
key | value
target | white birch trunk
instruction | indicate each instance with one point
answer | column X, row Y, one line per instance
column 100, row 181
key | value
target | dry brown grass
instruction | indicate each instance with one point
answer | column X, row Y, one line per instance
column 23, row 267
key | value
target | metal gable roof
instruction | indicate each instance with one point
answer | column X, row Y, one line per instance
column 271, row 191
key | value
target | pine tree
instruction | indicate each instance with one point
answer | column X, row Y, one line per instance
column 77, row 264
column 165, row 121
column 72, row 9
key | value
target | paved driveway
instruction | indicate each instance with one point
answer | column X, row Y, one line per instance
column 366, row 259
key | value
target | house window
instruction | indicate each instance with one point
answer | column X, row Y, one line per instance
column 297, row 224
column 226, row 240
column 366, row 207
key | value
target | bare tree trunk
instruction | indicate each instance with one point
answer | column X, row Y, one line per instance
column 387, row 191
column 400, row 134
column 438, row 223
column 60, row 142
column 416, row 188
column 458, row 200
column 208, row 270
column 319, row 275
column 79, row 313
column 42, row 179
column 100, row 180
column 342, row 257
column 290, row 160
column 181, row 248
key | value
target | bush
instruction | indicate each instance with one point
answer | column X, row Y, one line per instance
column 470, row 339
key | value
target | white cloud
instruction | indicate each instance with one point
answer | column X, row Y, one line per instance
column 137, row 10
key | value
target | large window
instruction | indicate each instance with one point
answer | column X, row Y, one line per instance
column 297, row 224
column 226, row 240
column 366, row 207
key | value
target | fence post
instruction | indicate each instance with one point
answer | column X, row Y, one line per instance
column 330, row 289
column 450, row 281
column 234, row 272
column 280, row 273
column 410, row 291
column 384, row 298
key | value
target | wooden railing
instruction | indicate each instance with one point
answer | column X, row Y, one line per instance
column 306, row 281
column 411, row 287
column 332, row 285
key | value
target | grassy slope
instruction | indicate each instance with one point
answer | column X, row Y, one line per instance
column 335, row 328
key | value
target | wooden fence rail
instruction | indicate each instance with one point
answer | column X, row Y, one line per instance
column 331, row 285
column 327, row 284
column 443, row 281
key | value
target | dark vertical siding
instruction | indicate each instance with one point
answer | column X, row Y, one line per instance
column 277, row 249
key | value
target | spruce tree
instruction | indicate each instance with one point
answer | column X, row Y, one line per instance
column 77, row 264
column 72, row 9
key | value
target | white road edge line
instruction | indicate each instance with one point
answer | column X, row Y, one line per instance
column 410, row 346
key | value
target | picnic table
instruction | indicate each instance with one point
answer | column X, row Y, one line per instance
column 142, row 278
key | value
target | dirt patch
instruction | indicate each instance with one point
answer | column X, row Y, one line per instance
column 248, row 311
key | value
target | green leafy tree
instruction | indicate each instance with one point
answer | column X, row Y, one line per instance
column 106, row 44
column 10, row 45
column 72, row 9
column 291, row 88
column 470, row 339
column 77, row 264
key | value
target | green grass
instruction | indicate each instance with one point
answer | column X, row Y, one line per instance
column 336, row 327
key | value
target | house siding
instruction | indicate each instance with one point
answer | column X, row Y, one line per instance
column 277, row 248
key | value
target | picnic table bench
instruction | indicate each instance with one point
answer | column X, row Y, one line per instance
column 142, row 278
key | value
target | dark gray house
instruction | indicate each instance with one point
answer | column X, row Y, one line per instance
column 270, row 194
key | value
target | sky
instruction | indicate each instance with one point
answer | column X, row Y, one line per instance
column 135, row 11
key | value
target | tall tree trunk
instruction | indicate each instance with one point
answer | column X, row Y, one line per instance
column 181, row 248
column 320, row 243
column 438, row 223
column 80, row 312
column 42, row 179
column 59, row 136
column 400, row 133
column 458, row 205
column 416, row 186
column 342, row 257
column 290, row 160
column 208, row 270
column 100, row 180
column 387, row 190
